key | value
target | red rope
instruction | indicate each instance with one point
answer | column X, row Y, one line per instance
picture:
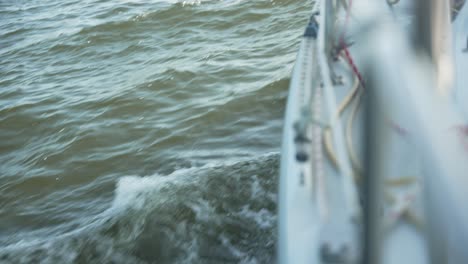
column 351, row 63
column 345, row 49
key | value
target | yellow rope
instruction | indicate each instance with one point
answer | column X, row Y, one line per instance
column 400, row 181
column 409, row 214
column 327, row 133
column 349, row 138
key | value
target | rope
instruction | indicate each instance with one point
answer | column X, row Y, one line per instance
column 344, row 48
column 349, row 136
column 351, row 63
column 402, row 209
column 354, row 91
column 345, row 167
column 327, row 134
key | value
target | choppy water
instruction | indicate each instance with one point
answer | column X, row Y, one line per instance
column 142, row 131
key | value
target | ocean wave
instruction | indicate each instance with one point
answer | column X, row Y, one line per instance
column 218, row 212
column 186, row 94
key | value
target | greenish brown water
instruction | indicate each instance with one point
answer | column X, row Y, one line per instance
column 142, row 131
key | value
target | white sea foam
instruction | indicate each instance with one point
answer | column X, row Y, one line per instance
column 180, row 207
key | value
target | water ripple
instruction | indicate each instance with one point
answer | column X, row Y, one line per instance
column 94, row 91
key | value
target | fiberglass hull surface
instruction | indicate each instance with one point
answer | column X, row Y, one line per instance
column 299, row 206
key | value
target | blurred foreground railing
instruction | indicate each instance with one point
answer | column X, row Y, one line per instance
column 405, row 84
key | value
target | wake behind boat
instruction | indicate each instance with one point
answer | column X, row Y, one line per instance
column 373, row 165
